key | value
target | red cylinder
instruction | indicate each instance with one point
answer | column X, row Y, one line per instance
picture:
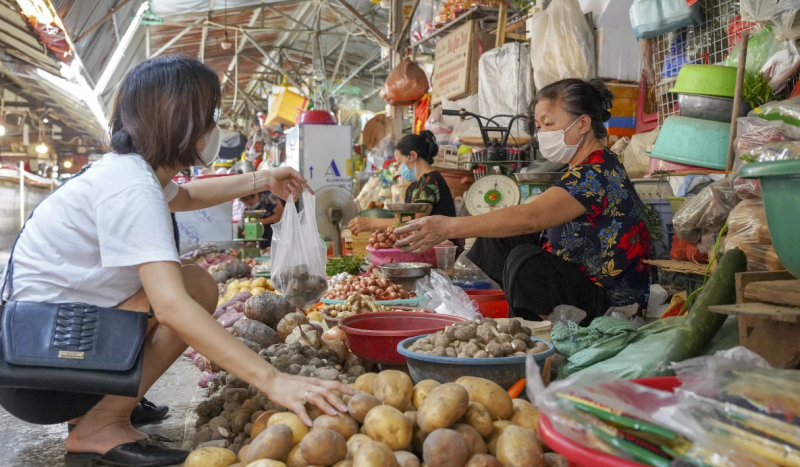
column 491, row 303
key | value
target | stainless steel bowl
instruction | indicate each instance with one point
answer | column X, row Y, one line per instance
column 539, row 177
column 406, row 270
column 407, row 207
column 718, row 109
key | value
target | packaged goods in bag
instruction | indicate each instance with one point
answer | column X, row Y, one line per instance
column 299, row 254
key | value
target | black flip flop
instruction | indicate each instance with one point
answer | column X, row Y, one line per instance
column 144, row 412
column 147, row 452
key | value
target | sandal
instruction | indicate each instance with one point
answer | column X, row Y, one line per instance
column 144, row 412
column 148, row 452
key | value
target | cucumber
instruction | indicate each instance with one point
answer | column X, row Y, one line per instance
column 701, row 325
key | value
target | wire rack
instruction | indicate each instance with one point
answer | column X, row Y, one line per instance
column 708, row 43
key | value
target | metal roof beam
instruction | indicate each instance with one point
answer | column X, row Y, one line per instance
column 101, row 21
column 275, row 64
column 202, row 53
column 374, row 56
column 177, row 37
column 366, row 23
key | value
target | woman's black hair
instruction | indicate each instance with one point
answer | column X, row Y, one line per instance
column 579, row 97
column 162, row 109
column 424, row 144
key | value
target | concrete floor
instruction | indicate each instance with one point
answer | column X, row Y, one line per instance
column 26, row 445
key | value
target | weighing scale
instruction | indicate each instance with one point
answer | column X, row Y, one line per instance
column 335, row 207
column 407, row 211
column 252, row 232
column 490, row 193
column 533, row 184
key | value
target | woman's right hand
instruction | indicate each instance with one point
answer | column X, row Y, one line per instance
column 293, row 392
column 360, row 224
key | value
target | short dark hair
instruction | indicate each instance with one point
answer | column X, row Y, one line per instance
column 579, row 97
column 424, row 144
column 162, row 109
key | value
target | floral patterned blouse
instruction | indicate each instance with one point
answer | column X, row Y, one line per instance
column 432, row 188
column 609, row 242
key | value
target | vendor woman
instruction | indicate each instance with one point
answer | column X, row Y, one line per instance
column 583, row 241
column 415, row 154
column 273, row 210
column 126, row 258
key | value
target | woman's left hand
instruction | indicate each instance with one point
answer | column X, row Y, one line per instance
column 285, row 181
column 426, row 233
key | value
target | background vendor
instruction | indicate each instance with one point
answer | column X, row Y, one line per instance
column 583, row 241
column 264, row 201
column 415, row 154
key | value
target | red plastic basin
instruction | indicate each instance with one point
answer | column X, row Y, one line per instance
column 491, row 303
column 578, row 455
column 374, row 336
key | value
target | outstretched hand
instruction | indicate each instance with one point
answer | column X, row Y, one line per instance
column 426, row 233
column 294, row 392
column 285, row 181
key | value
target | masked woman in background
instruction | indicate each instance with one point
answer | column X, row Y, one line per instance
column 583, row 241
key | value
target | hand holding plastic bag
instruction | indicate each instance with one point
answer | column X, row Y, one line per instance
column 299, row 254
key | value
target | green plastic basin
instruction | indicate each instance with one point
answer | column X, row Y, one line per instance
column 780, row 189
column 706, row 80
column 702, row 143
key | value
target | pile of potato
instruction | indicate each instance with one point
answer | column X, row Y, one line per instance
column 480, row 339
column 256, row 286
column 392, row 423
column 368, row 286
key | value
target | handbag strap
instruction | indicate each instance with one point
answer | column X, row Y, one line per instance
column 9, row 274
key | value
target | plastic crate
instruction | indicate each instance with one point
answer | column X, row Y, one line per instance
column 286, row 109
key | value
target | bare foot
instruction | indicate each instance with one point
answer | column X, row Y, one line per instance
column 99, row 433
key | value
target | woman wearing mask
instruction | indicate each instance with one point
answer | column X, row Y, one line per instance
column 126, row 258
column 583, row 241
column 415, row 154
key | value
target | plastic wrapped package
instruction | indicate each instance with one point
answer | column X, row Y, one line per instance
column 440, row 131
column 505, row 87
column 777, row 60
column 787, row 111
column 706, row 211
column 564, row 44
column 748, row 231
column 423, row 25
column 782, row 14
column 651, row 18
column 783, row 150
column 753, row 132
column 406, row 83
column 445, row 298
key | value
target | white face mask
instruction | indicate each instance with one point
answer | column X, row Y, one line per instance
column 213, row 141
column 554, row 148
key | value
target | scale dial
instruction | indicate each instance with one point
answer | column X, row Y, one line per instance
column 491, row 192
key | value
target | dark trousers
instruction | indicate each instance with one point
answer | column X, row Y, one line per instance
column 536, row 281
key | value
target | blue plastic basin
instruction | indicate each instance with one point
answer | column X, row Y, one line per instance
column 504, row 371
column 703, row 143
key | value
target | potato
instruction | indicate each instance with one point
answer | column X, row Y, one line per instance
column 517, row 447
column 483, row 460
column 375, row 454
column 497, row 429
column 342, row 424
column 406, row 459
column 387, row 424
column 266, row 463
column 258, row 282
column 295, row 458
column 291, row 420
column 243, row 453
column 244, row 284
column 366, row 383
column 526, row 416
column 315, row 316
column 261, row 423
column 490, row 394
column 322, row 446
column 210, row 457
column 234, row 285
column 444, row 405
column 418, row 440
column 445, row 448
column 477, row 416
column 355, row 442
column 257, row 291
column 412, row 416
column 472, row 437
column 394, row 388
column 421, row 391
column 273, row 443
column 345, row 463
column 360, row 404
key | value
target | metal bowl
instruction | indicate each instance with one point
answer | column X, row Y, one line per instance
column 539, row 177
column 407, row 207
column 407, row 270
column 718, row 109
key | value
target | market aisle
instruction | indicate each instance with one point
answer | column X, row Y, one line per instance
column 26, row 445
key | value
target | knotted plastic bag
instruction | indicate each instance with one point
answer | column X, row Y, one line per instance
column 445, row 298
column 405, row 84
column 299, row 254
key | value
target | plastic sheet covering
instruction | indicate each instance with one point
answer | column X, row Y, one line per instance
column 787, row 111
column 634, row 159
column 505, row 85
column 782, row 14
column 774, row 152
column 706, row 211
column 776, row 60
column 752, row 132
column 651, row 18
column 564, row 44
column 748, row 231
column 445, row 298
column 423, row 26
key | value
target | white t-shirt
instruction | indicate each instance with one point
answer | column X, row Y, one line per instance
column 84, row 242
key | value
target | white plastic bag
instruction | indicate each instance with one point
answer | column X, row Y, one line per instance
column 299, row 254
column 562, row 44
column 505, row 87
column 782, row 14
column 445, row 298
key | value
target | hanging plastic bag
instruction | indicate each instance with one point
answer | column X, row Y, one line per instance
column 563, row 44
column 406, row 83
column 748, row 231
column 651, row 18
column 299, row 254
column 445, row 298
column 505, row 87
column 706, row 211
column 776, row 60
column 781, row 13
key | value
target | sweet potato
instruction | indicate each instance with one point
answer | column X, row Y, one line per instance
column 230, row 318
column 267, row 308
column 256, row 331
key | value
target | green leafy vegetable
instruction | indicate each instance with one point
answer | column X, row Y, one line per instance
column 349, row 264
column 756, row 90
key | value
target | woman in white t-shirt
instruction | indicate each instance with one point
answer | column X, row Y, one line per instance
column 106, row 238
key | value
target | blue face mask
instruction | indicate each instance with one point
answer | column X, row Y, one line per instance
column 408, row 174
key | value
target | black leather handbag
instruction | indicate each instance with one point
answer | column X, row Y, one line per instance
column 69, row 346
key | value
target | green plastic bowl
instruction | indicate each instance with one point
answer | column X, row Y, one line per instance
column 702, row 143
column 706, row 80
column 780, row 189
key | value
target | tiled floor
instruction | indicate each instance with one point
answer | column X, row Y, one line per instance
column 26, row 445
